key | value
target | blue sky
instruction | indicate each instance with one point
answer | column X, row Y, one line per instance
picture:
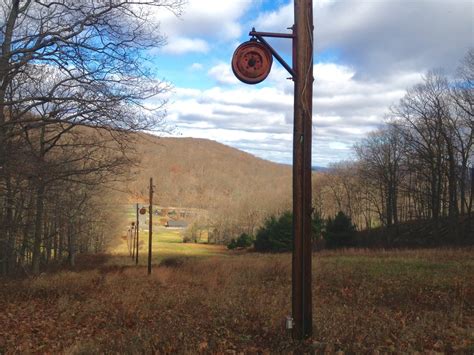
column 366, row 54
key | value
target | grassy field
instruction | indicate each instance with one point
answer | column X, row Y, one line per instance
column 166, row 243
column 215, row 301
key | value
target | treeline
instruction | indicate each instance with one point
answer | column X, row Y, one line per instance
column 410, row 184
column 237, row 190
column 71, row 89
column 418, row 167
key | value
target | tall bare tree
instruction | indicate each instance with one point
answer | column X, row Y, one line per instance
column 380, row 156
column 64, row 65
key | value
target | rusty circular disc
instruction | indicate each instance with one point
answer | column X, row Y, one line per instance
column 142, row 210
column 252, row 62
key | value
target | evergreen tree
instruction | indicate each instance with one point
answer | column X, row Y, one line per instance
column 276, row 235
column 340, row 232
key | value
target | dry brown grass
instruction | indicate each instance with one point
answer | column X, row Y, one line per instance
column 397, row 301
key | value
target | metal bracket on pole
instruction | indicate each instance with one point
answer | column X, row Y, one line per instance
column 260, row 35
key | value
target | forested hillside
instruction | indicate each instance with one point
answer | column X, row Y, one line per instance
column 237, row 188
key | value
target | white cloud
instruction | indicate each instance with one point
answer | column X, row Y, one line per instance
column 259, row 119
column 222, row 74
column 386, row 36
column 181, row 45
column 209, row 19
column 196, row 67
column 373, row 51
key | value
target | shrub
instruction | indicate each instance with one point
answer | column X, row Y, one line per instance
column 276, row 235
column 340, row 232
column 191, row 234
column 244, row 241
column 232, row 244
column 187, row 239
column 173, row 262
column 317, row 230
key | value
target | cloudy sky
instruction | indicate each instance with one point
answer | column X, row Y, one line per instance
column 367, row 53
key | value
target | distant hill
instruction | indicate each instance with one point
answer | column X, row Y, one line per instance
column 201, row 173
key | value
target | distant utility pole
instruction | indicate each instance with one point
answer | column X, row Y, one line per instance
column 150, row 225
column 132, row 238
column 137, row 237
column 251, row 63
column 129, row 240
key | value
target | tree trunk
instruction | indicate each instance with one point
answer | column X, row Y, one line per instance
column 38, row 229
column 453, row 212
column 49, row 243
column 462, row 186
column 3, row 254
column 471, row 199
column 71, row 245
column 55, row 242
column 7, row 32
column 435, row 204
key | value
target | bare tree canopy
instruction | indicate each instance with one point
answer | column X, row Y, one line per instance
column 67, row 67
column 418, row 167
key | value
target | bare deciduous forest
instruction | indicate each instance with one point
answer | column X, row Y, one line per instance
column 76, row 154
column 417, row 168
column 64, row 67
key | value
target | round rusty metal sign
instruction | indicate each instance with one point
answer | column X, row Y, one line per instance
column 142, row 210
column 252, row 62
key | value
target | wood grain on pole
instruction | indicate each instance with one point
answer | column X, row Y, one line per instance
column 302, row 140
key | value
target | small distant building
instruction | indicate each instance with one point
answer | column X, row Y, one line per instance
column 176, row 224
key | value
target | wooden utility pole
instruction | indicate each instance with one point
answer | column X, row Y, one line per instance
column 137, row 237
column 150, row 225
column 251, row 63
column 302, row 139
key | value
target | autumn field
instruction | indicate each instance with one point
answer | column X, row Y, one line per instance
column 400, row 301
column 166, row 243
